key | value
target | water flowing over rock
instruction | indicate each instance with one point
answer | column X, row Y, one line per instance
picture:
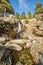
column 19, row 27
column 16, row 36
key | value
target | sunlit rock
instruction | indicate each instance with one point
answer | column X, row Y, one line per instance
column 14, row 46
column 2, row 39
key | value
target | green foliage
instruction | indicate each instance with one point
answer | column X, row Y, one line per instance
column 29, row 14
column 6, row 4
column 26, row 21
column 39, row 8
column 25, row 57
column 23, row 16
column 17, row 15
column 33, row 15
column 38, row 5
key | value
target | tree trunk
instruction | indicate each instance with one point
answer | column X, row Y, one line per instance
column 4, row 14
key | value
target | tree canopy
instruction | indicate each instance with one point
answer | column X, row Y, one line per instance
column 17, row 15
column 39, row 8
column 6, row 4
column 29, row 14
column 23, row 15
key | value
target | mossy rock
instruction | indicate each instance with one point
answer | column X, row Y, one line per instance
column 24, row 57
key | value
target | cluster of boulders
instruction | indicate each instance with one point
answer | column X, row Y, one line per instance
column 39, row 26
column 16, row 36
column 36, row 35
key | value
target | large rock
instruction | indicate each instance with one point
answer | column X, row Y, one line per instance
column 35, row 49
column 17, row 44
column 13, row 45
column 38, row 28
column 5, row 57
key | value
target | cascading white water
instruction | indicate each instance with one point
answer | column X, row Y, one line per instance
column 19, row 27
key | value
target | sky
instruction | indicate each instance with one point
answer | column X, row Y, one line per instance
column 24, row 5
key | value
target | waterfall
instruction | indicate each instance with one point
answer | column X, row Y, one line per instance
column 19, row 27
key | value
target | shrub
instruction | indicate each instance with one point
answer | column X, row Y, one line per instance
column 25, row 57
column 26, row 21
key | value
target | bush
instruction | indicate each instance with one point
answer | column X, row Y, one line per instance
column 26, row 21
column 25, row 57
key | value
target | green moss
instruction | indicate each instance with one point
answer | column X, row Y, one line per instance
column 25, row 57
